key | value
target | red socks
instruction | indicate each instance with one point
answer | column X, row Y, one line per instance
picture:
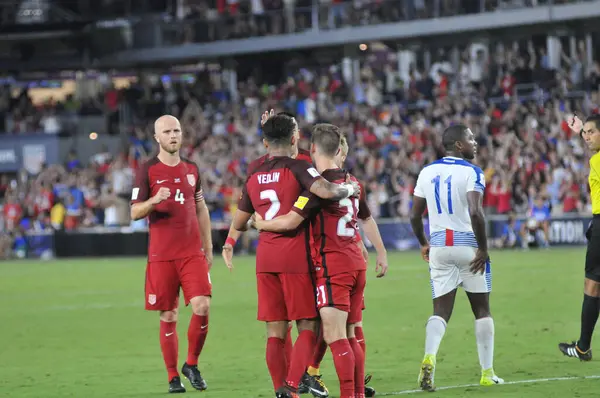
column 359, row 369
column 169, row 345
column 320, row 350
column 196, row 337
column 360, row 337
column 343, row 359
column 301, row 356
column 289, row 345
column 276, row 361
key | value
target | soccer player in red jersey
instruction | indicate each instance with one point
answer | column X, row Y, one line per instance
column 285, row 286
column 168, row 191
column 340, row 265
column 234, row 234
column 372, row 232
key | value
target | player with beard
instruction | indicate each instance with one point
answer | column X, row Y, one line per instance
column 168, row 191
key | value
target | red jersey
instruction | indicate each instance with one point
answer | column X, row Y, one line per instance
column 335, row 228
column 303, row 154
column 271, row 190
column 173, row 225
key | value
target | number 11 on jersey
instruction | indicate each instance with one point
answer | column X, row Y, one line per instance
column 438, row 204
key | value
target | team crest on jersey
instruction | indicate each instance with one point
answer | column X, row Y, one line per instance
column 191, row 179
column 152, row 299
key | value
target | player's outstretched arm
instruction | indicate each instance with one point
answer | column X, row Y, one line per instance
column 287, row 222
column 416, row 222
column 475, row 202
column 372, row 231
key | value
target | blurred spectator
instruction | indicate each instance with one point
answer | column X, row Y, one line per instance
column 393, row 122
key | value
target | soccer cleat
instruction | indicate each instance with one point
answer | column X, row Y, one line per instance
column 313, row 385
column 193, row 375
column 572, row 350
column 427, row 373
column 286, row 392
column 369, row 391
column 176, row 386
column 489, row 378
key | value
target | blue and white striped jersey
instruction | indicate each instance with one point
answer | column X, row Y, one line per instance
column 444, row 185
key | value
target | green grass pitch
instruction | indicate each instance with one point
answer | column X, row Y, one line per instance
column 77, row 328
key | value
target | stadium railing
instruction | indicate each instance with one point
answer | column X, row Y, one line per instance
column 564, row 230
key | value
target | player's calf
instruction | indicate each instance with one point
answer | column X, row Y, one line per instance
column 301, row 351
column 359, row 360
column 197, row 333
column 334, row 330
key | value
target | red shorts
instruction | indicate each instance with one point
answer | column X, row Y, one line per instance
column 343, row 291
column 164, row 278
column 285, row 297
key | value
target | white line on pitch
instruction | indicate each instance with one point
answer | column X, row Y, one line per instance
column 508, row 382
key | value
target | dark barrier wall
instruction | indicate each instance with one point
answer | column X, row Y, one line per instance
column 110, row 244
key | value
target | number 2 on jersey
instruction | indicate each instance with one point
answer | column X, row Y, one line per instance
column 342, row 229
column 438, row 204
column 271, row 196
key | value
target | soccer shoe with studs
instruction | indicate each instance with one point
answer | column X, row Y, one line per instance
column 313, row 385
column 176, row 386
column 427, row 373
column 286, row 392
column 489, row 378
column 573, row 351
column 369, row 391
column 193, row 375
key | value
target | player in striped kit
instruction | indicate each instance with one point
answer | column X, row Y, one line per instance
column 452, row 190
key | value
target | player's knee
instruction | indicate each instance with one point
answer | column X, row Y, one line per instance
column 169, row 316
column 277, row 329
column 591, row 288
column 442, row 312
column 350, row 330
column 200, row 305
column 307, row 324
column 334, row 332
column 482, row 312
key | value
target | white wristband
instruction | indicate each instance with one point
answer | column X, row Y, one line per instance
column 350, row 189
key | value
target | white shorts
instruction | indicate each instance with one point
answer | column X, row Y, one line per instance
column 449, row 269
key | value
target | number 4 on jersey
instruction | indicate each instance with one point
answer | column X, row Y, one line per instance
column 179, row 197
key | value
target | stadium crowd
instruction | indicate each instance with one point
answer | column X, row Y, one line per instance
column 515, row 104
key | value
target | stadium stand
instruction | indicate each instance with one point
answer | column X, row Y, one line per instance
column 511, row 97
